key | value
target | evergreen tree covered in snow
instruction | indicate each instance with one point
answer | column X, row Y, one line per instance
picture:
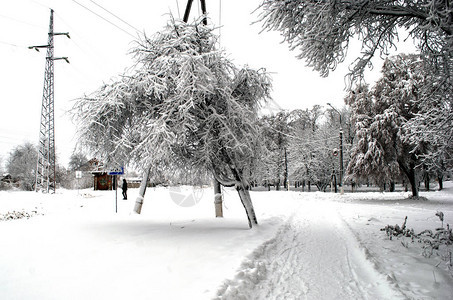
column 182, row 106
column 382, row 149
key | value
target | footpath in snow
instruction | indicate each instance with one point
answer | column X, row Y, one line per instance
column 313, row 256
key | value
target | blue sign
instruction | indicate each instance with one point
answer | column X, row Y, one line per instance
column 117, row 171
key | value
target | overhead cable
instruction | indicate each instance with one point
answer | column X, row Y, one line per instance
column 99, row 16
column 13, row 45
column 23, row 22
column 177, row 5
column 128, row 24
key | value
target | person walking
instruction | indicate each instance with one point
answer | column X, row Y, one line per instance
column 124, row 188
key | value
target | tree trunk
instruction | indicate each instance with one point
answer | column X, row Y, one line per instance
column 285, row 173
column 244, row 195
column 441, row 183
column 427, row 181
column 413, row 185
column 242, row 189
column 335, row 182
column 392, row 186
column 218, row 201
column 141, row 193
column 409, row 171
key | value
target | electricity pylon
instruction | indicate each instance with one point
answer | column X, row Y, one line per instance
column 45, row 168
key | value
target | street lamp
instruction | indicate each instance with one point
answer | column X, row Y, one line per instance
column 341, row 150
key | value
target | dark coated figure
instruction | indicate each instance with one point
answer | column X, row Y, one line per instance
column 124, row 188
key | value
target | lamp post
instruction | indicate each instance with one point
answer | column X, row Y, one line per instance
column 341, row 150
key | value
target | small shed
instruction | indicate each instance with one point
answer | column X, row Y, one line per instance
column 103, row 181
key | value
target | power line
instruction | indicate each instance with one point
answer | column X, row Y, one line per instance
column 13, row 137
column 23, row 22
column 39, row 3
column 87, row 48
column 99, row 16
column 177, row 5
column 115, row 16
column 220, row 21
column 9, row 44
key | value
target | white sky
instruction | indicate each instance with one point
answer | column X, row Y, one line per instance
column 98, row 51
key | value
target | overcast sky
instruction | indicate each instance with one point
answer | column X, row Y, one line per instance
column 98, row 50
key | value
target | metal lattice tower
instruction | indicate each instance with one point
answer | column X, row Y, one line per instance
column 46, row 168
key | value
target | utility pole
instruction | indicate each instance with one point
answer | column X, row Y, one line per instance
column 45, row 166
column 189, row 7
column 341, row 150
column 218, row 197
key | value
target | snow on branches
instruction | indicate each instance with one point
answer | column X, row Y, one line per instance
column 383, row 149
column 321, row 30
column 183, row 105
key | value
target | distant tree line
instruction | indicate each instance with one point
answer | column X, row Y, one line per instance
column 19, row 170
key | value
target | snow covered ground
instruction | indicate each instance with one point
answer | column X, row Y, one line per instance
column 307, row 246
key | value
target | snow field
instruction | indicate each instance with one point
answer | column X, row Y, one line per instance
column 307, row 246
column 81, row 249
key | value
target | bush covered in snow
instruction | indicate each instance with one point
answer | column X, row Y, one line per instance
column 436, row 242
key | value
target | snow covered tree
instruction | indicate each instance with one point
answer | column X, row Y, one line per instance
column 309, row 152
column 78, row 161
column 382, row 149
column 431, row 130
column 321, row 30
column 183, row 106
column 21, row 164
column 274, row 163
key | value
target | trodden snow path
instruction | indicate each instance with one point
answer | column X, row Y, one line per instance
column 313, row 256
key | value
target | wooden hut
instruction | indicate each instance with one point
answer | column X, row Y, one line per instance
column 101, row 179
